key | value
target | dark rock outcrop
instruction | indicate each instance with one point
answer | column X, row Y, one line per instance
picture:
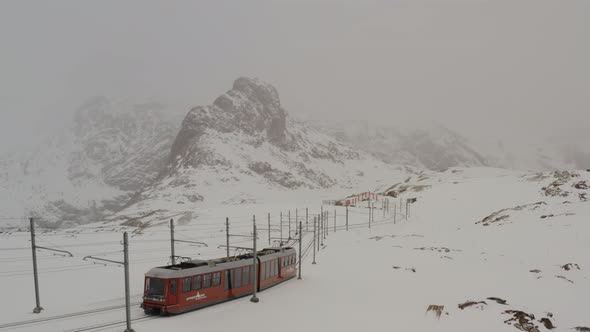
column 251, row 107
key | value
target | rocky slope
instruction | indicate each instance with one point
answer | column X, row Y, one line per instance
column 92, row 167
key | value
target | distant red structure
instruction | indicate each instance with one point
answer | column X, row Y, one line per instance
column 355, row 199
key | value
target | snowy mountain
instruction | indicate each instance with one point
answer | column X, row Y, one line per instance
column 92, row 167
column 122, row 156
column 245, row 146
column 433, row 148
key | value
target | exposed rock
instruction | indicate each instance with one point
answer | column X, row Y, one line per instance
column 570, row 266
column 497, row 300
column 522, row 320
column 564, row 278
column 479, row 304
column 547, row 323
column 504, row 214
column 554, row 188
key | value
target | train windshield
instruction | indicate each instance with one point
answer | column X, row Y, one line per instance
column 154, row 286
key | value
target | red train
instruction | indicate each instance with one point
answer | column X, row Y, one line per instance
column 195, row 284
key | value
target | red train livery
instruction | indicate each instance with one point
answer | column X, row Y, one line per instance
column 195, row 284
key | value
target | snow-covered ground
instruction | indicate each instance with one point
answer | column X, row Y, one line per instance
column 382, row 278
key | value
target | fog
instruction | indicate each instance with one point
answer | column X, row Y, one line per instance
column 516, row 69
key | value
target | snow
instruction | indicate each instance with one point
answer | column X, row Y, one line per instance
column 354, row 286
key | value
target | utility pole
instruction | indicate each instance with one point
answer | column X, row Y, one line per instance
column 306, row 219
column 34, row 248
column 281, row 217
column 323, row 235
column 289, row 224
column 255, row 299
column 322, row 221
column 227, row 236
column 347, row 218
column 38, row 307
column 327, row 225
column 125, row 264
column 334, row 220
column 317, row 218
column 314, row 237
column 127, row 296
column 300, row 240
column 269, row 229
column 369, row 206
column 324, row 226
column 296, row 220
column 172, row 241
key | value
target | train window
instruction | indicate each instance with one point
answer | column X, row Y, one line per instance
column 294, row 260
column 268, row 274
column 246, row 275
column 172, row 286
column 263, row 271
column 196, row 282
column 186, row 285
column 154, row 286
column 276, row 266
column 237, row 278
column 216, row 278
column 206, row 280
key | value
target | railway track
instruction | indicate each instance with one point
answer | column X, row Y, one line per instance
column 65, row 316
column 107, row 325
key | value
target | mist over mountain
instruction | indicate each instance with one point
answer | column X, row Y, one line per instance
column 130, row 160
column 427, row 146
column 91, row 167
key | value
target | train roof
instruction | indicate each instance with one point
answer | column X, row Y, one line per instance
column 197, row 266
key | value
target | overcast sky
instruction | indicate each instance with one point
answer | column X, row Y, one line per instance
column 516, row 68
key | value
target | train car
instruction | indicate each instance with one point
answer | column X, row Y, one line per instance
column 195, row 284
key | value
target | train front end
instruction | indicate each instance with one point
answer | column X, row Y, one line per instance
column 159, row 295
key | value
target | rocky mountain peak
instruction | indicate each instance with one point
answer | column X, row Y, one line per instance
column 252, row 107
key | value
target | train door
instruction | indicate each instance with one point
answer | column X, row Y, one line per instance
column 228, row 281
column 172, row 291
